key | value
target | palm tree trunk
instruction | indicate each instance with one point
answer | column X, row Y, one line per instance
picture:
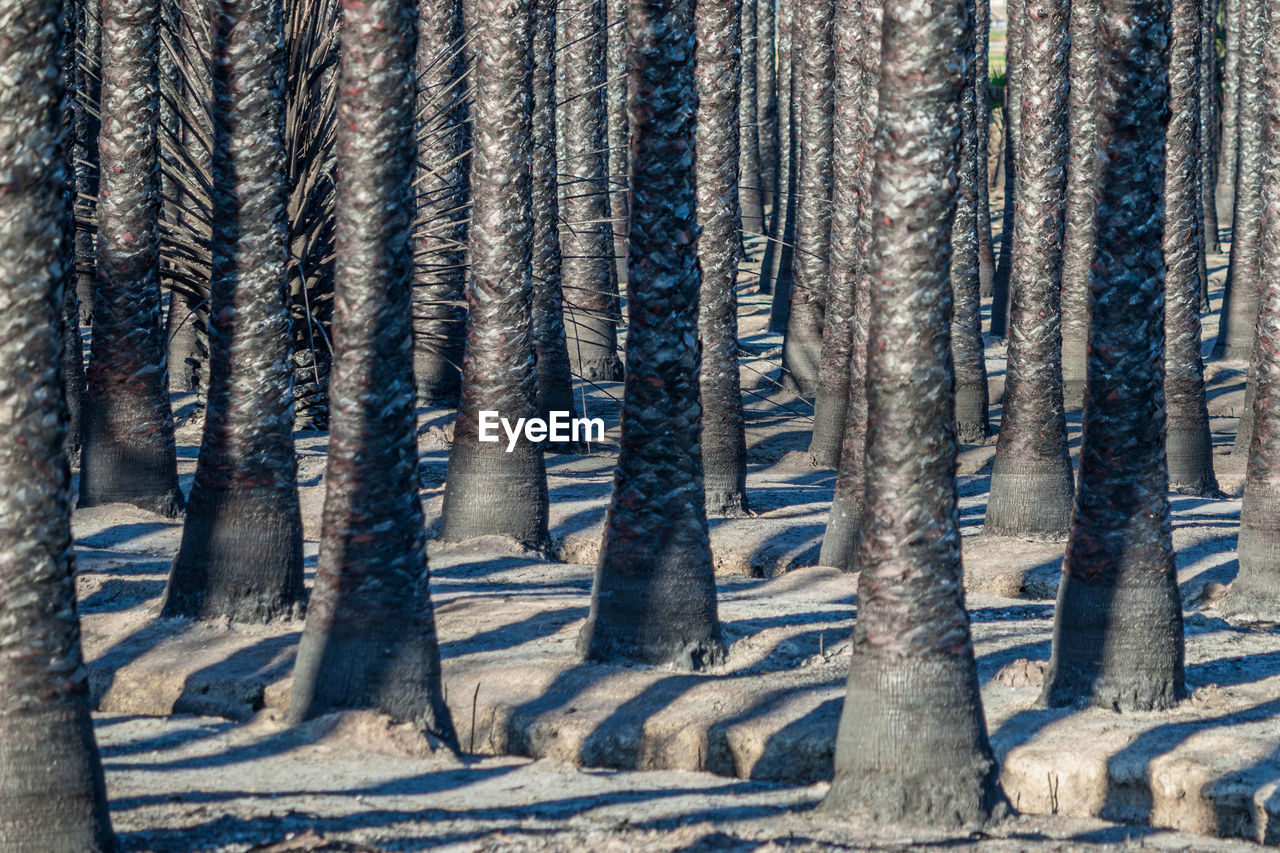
column 1210, row 108
column 776, row 266
column 1188, row 444
column 52, row 796
column 1117, row 634
column 1240, row 301
column 591, row 300
column 1083, row 168
column 717, row 136
column 982, row 92
column 1227, row 151
column 912, row 745
column 767, row 103
column 750, row 197
column 1012, row 80
column 619, row 133
column 654, row 596
column 490, row 491
column 129, row 452
column 241, row 551
column 85, row 146
column 370, row 639
column 850, row 243
column 1031, row 479
column 72, row 110
column 802, row 343
column 439, row 229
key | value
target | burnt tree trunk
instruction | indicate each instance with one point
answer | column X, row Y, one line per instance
column 88, row 93
column 767, row 103
column 72, row 147
column 802, row 343
column 860, row 27
column 718, row 65
column 1210, row 108
column 370, row 640
column 1083, row 168
column 619, row 132
column 1012, row 80
column 654, row 596
column 52, row 798
column 129, row 452
column 489, row 491
column 1031, row 479
column 1226, row 184
column 591, row 299
column 776, row 266
column 1188, row 444
column 440, row 185
column 912, row 745
column 241, row 551
column 1240, row 299
column 982, row 94
column 1117, row 634
column 750, row 198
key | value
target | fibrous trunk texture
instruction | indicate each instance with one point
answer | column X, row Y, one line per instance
column 70, row 115
column 850, row 242
column 912, row 745
column 1255, row 592
column 1031, row 479
column 619, row 132
column 241, row 551
column 128, row 453
column 551, row 355
column 1117, row 635
column 966, row 266
column 52, row 798
column 982, row 93
column 1210, row 109
column 776, row 267
column 749, row 184
column 1226, row 183
column 802, row 343
column 370, row 640
column 767, row 103
column 1188, row 444
column 1083, row 168
column 88, row 98
column 719, row 64
column 654, row 596
column 490, row 491
column 439, row 228
column 1012, row 80
column 1240, row 301
column 590, row 295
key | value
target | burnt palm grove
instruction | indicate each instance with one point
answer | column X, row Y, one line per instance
column 284, row 218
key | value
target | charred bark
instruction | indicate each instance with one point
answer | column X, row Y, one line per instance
column 1240, row 299
column 88, row 95
column 802, row 343
column 72, row 346
column 439, row 228
column 241, row 551
column 767, row 103
column 490, row 491
column 370, row 639
column 619, row 132
column 1188, row 444
column 1031, row 479
column 591, row 299
column 128, row 452
column 1083, row 169
column 1117, row 634
column 1210, row 109
column 718, row 65
column 1226, row 184
column 52, row 796
column 776, row 266
column 1012, row 79
column 982, row 94
column 654, row 596
column 750, row 198
column 912, row 745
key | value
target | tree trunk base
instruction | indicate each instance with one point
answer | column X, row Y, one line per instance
column 490, row 492
column 438, row 380
column 1189, row 449
column 688, row 655
column 1254, row 595
column 144, row 475
column 829, row 411
column 842, row 538
column 1029, row 498
column 972, row 423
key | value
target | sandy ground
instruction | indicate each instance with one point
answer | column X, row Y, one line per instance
column 568, row 757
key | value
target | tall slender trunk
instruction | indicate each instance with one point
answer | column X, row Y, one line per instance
column 802, row 344
column 982, row 93
column 1117, row 633
column 1227, row 152
column 85, row 146
column 73, row 108
column 1240, row 301
column 241, row 551
column 129, row 452
column 551, row 354
column 654, row 596
column 1012, row 80
column 767, row 102
column 1083, row 169
column 591, row 300
column 776, row 267
column 750, row 198
column 1255, row 594
column 370, row 640
column 490, row 491
column 619, row 132
column 52, row 796
column 912, row 745
column 716, row 138
column 439, row 227
column 850, row 244
column 1188, row 444
column 1031, row 479
column 1210, row 109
